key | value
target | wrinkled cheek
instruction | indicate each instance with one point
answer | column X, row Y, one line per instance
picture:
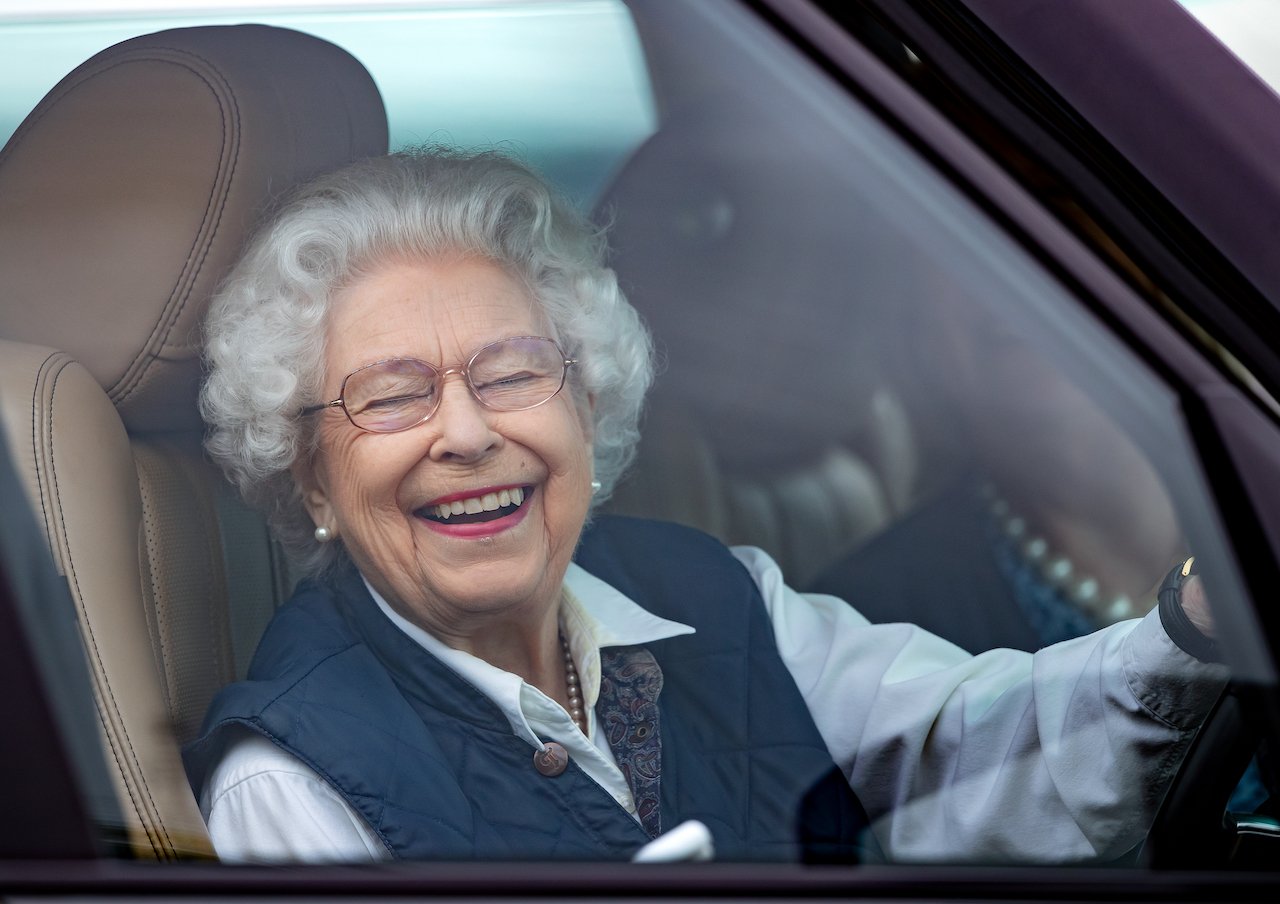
column 382, row 534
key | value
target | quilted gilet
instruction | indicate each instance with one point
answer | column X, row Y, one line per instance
column 432, row 765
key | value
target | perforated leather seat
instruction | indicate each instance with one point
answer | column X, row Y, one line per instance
column 124, row 198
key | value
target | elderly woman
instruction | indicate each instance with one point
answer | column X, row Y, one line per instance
column 424, row 373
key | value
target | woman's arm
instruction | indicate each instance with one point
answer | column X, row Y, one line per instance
column 1058, row 756
column 263, row 804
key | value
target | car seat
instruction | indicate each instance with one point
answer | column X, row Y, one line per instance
column 124, row 199
column 769, row 423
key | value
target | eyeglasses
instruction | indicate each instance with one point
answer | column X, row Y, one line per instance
column 513, row 374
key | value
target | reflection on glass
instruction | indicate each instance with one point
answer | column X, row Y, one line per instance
column 930, row 459
column 1045, row 517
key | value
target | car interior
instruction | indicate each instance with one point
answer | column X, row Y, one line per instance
column 756, row 434
column 194, row 130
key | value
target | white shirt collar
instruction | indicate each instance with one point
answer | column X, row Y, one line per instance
column 594, row 615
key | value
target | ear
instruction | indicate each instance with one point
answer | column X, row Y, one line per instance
column 315, row 498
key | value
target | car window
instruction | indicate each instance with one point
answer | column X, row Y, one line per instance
column 863, row 373
column 932, row 349
column 562, row 84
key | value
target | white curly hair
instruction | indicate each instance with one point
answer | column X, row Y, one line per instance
column 265, row 331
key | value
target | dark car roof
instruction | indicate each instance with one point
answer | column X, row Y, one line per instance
column 1202, row 127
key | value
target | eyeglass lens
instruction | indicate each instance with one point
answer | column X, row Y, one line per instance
column 510, row 375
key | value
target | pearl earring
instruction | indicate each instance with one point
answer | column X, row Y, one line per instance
column 323, row 534
column 595, row 487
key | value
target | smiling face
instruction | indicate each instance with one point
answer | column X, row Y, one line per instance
column 521, row 480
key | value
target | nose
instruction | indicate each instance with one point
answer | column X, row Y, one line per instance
column 463, row 432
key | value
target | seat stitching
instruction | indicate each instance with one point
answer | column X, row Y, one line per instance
column 162, row 327
column 235, row 160
column 93, row 642
column 35, row 439
column 148, row 511
column 164, row 324
column 219, row 616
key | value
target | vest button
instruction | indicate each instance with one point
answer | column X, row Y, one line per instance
column 551, row 760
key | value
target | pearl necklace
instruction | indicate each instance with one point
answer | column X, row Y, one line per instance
column 1057, row 570
column 573, row 687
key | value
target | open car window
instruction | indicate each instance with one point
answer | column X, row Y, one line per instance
column 863, row 370
column 562, row 84
column 873, row 381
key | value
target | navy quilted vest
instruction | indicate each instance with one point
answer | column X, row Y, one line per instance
column 432, row 765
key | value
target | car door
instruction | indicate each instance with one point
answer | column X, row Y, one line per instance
column 941, row 343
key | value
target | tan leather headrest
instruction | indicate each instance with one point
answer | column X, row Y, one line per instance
column 127, row 193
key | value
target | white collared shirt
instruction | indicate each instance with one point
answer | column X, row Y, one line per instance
column 996, row 757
